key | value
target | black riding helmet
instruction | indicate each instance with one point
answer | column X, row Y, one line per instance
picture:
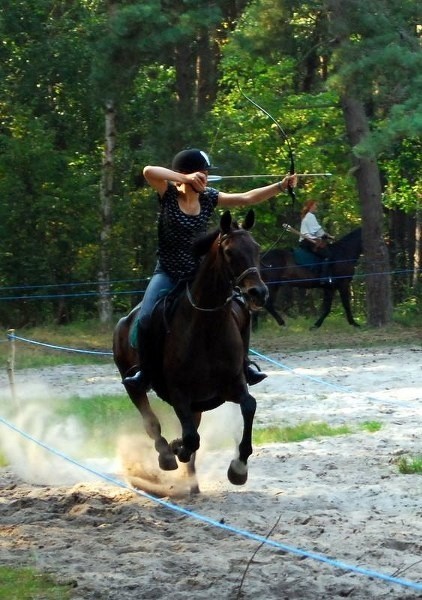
column 189, row 161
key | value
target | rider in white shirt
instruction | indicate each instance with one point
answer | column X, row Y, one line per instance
column 313, row 238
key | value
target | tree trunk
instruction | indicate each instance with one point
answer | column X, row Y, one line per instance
column 106, row 200
column 377, row 268
column 417, row 263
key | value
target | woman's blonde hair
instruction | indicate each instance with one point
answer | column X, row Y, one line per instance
column 307, row 207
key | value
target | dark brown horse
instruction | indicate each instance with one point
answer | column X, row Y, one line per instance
column 199, row 350
column 280, row 268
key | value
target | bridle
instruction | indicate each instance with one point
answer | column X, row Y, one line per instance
column 235, row 281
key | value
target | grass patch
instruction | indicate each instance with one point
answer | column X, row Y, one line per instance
column 297, row 337
column 103, row 418
column 27, row 584
column 370, row 426
column 304, row 431
column 410, row 466
column 334, row 333
column 88, row 336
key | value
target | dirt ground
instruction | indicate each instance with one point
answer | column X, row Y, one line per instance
column 344, row 522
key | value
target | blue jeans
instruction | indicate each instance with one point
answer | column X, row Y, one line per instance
column 160, row 285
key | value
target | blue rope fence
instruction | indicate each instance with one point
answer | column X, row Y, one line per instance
column 12, row 336
column 144, row 281
column 321, row 558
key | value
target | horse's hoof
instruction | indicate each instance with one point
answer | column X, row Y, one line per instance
column 184, row 455
column 167, row 462
column 195, row 490
column 237, row 473
column 180, row 451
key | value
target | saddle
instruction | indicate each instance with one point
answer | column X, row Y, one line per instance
column 306, row 258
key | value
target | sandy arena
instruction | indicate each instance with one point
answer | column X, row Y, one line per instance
column 340, row 498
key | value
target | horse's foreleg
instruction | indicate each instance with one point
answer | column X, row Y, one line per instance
column 185, row 447
column 270, row 307
column 238, row 470
column 166, row 459
column 345, row 299
column 190, row 466
column 326, row 307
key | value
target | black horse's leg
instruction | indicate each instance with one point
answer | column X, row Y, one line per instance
column 269, row 305
column 166, row 459
column 185, row 447
column 326, row 306
column 344, row 289
column 190, row 472
column 238, row 470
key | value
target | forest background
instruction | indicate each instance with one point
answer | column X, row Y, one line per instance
column 92, row 91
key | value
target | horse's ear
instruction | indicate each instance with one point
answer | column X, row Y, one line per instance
column 225, row 222
column 249, row 221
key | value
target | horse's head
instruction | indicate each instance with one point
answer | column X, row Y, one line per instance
column 240, row 253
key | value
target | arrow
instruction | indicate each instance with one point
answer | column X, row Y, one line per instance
column 212, row 178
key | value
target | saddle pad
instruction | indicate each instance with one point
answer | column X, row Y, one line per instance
column 133, row 331
column 305, row 258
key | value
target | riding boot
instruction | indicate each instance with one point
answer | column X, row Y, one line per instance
column 141, row 381
column 325, row 274
column 253, row 375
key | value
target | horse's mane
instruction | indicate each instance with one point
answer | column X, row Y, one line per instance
column 350, row 241
column 203, row 242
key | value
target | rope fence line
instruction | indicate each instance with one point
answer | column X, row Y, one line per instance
column 335, row 386
column 87, row 294
column 146, row 279
column 74, row 284
column 12, row 336
column 218, row 524
column 192, row 514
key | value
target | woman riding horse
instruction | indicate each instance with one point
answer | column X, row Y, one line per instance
column 198, row 346
column 313, row 238
column 186, row 206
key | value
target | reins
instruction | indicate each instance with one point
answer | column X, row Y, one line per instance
column 196, row 307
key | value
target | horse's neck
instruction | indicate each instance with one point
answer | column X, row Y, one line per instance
column 349, row 252
column 211, row 286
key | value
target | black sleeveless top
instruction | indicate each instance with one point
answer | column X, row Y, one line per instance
column 176, row 231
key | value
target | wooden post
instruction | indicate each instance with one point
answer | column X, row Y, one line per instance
column 11, row 366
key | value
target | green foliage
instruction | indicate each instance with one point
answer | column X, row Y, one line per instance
column 312, row 121
column 410, row 466
column 409, row 312
column 402, row 165
column 60, row 63
column 25, row 583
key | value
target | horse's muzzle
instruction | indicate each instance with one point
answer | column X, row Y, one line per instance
column 256, row 295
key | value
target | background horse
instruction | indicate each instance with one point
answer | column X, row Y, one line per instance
column 279, row 268
column 199, row 351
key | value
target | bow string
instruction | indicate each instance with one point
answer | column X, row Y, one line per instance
column 283, row 134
